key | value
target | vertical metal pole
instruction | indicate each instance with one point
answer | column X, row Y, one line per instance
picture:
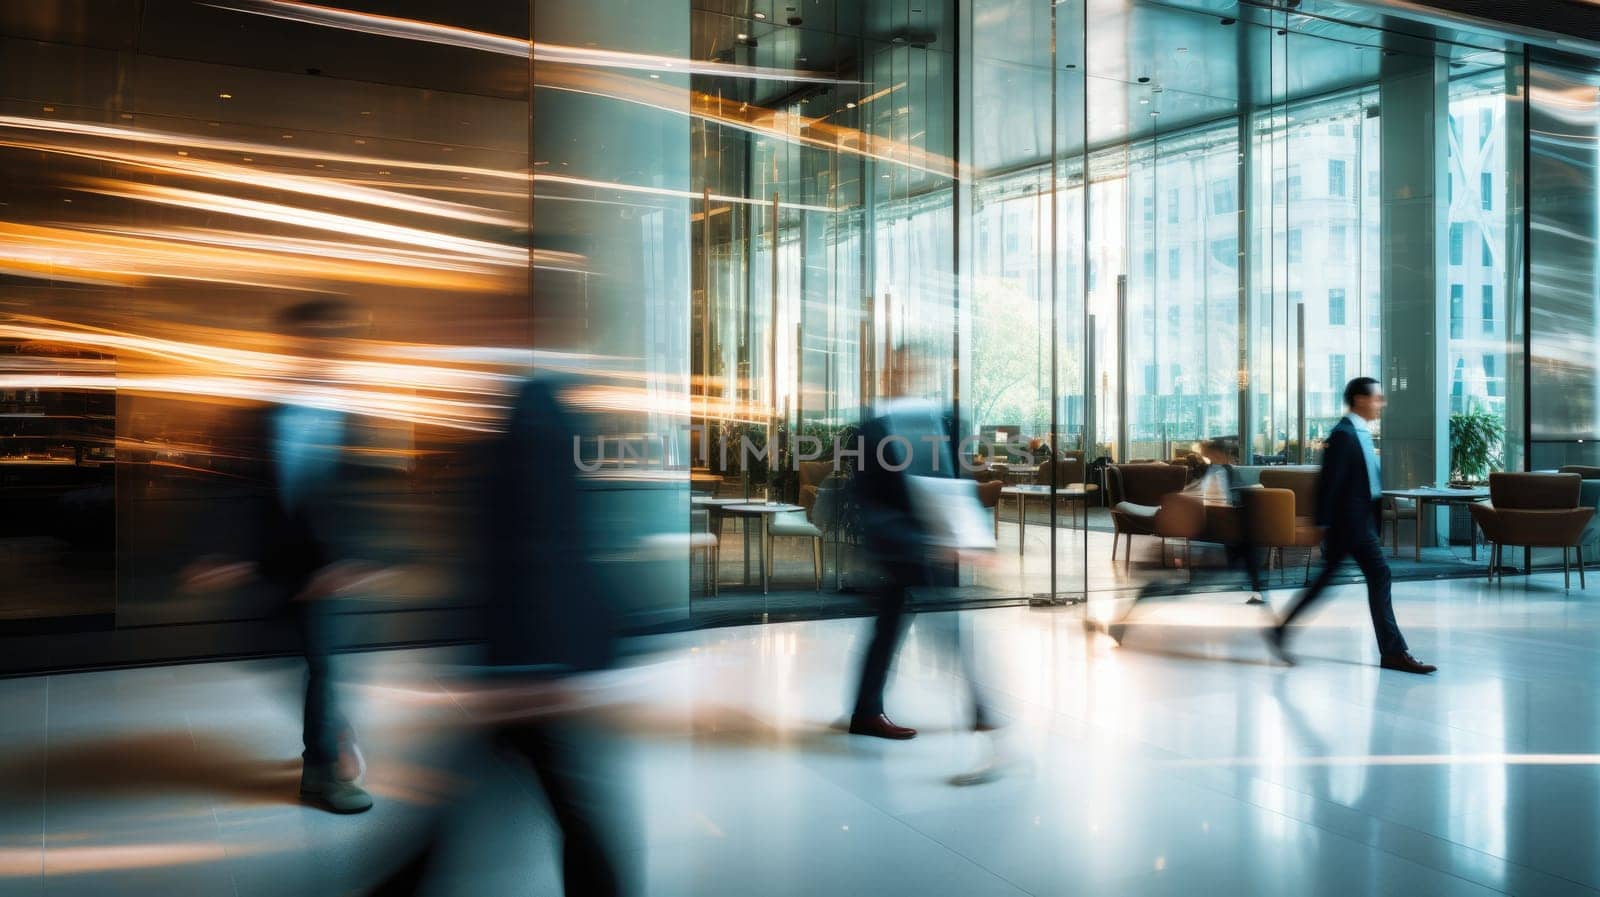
column 705, row 306
column 1122, row 364
column 1055, row 422
column 1300, row 377
column 772, row 361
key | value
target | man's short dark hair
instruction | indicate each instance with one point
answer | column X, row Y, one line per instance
column 1360, row 386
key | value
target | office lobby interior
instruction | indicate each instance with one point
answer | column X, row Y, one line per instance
column 1118, row 248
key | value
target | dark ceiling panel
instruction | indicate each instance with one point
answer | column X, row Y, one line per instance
column 184, row 29
column 107, row 24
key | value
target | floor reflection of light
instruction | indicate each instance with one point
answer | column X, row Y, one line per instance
column 1398, row 760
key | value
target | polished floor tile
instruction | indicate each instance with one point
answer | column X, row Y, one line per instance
column 1180, row 762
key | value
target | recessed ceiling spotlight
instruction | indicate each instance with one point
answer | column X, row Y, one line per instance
column 1144, row 79
column 743, row 36
column 1227, row 22
column 655, row 76
column 760, row 15
column 1143, row 101
column 225, row 96
column 1183, row 49
column 849, row 105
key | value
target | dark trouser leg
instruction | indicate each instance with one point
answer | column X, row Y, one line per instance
column 1368, row 553
column 323, row 723
column 1334, row 554
column 886, row 630
column 1246, row 550
column 578, row 785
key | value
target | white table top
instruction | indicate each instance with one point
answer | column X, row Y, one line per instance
column 759, row 507
column 1434, row 493
column 1040, row 489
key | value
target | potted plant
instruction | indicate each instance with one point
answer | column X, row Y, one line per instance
column 1475, row 436
column 1475, row 439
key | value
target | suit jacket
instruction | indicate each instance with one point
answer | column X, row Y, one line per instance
column 1344, row 495
column 545, row 606
column 890, row 526
column 289, row 545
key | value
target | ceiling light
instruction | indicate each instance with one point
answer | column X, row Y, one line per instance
column 183, row 152
column 225, row 96
column 49, row 108
column 1144, row 101
column 849, row 105
column 743, row 36
column 760, row 15
column 655, row 76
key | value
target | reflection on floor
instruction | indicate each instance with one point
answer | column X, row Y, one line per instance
column 1181, row 763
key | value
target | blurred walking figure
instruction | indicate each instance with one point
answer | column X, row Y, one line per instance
column 1218, row 487
column 1349, row 492
column 907, row 441
column 549, row 620
column 302, row 539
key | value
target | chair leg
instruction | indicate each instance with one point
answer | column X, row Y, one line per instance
column 1581, row 583
column 1566, row 568
column 1307, row 580
column 1116, row 536
column 1491, row 562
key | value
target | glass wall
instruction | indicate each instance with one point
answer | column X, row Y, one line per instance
column 1093, row 232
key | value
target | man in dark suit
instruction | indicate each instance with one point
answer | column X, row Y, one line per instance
column 908, row 438
column 549, row 618
column 1348, row 494
column 302, row 532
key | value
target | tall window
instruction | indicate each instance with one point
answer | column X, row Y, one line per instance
column 1174, row 263
column 1336, row 379
column 1336, row 307
column 1488, row 308
column 1292, row 244
column 1458, row 235
column 1491, row 377
column 1149, row 210
column 1486, row 189
column 1174, row 204
column 1456, row 300
column 1226, row 251
column 1292, row 188
column 1222, row 197
column 1336, row 177
column 1488, row 253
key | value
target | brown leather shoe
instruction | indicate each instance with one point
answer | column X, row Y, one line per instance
column 879, row 726
column 1405, row 663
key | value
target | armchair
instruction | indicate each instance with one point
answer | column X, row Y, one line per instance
column 1147, row 501
column 1534, row 510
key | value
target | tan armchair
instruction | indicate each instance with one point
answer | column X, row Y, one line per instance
column 1276, row 523
column 1303, row 484
column 812, row 473
column 1147, row 500
column 1534, row 510
column 1063, row 473
column 989, row 496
